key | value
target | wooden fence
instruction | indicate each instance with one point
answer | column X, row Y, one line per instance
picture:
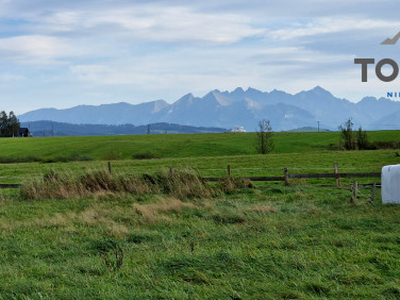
column 286, row 176
column 354, row 187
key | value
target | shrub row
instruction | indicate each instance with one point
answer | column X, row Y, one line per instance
column 69, row 158
column 377, row 145
column 384, row 145
column 30, row 158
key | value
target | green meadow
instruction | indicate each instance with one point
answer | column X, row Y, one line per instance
column 208, row 153
column 170, row 145
column 139, row 233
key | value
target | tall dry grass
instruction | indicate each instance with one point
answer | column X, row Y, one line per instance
column 181, row 185
column 153, row 212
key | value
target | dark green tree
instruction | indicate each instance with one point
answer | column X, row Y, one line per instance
column 265, row 143
column 9, row 125
column 348, row 139
column 362, row 139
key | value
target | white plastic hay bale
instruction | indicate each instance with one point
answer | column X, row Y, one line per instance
column 391, row 184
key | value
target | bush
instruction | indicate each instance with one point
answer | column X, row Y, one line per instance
column 336, row 147
column 69, row 158
column 362, row 139
column 145, row 155
column 24, row 159
column 384, row 145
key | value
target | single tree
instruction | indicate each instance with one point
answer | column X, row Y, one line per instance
column 265, row 143
column 3, row 123
column 362, row 139
column 13, row 124
column 346, row 129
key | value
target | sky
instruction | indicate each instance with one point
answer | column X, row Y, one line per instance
column 66, row 53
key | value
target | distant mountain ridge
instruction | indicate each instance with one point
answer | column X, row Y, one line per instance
column 237, row 108
column 51, row 128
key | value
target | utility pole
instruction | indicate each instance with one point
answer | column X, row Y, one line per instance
column 318, row 125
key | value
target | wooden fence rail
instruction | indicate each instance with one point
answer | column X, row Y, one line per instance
column 286, row 176
column 340, row 175
column 9, row 185
column 303, row 176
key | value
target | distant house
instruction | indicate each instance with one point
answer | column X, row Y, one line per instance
column 238, row 129
column 24, row 132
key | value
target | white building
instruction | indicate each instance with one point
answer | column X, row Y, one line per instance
column 238, row 129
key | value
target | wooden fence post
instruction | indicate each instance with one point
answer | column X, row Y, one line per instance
column 286, row 174
column 336, row 170
column 109, row 167
column 171, row 170
column 229, row 170
column 354, row 189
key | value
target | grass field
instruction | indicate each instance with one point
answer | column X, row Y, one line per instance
column 208, row 153
column 170, row 145
column 296, row 242
column 290, row 243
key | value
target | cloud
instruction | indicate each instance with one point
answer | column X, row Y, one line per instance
column 329, row 25
column 36, row 49
column 166, row 48
column 199, row 72
column 145, row 22
column 170, row 24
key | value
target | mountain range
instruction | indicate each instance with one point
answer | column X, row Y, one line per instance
column 237, row 108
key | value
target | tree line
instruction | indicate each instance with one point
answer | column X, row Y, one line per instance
column 9, row 124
